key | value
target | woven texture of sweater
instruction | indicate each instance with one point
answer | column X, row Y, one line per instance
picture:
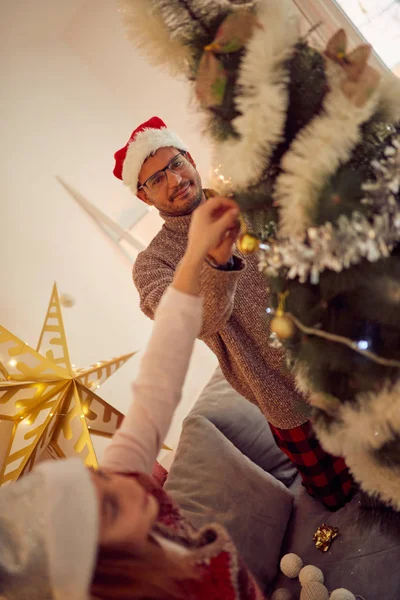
column 234, row 327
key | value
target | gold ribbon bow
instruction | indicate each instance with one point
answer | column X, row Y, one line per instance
column 324, row 537
column 232, row 35
column 361, row 79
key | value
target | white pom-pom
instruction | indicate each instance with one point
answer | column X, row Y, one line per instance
column 291, row 565
column 314, row 591
column 281, row 594
column 310, row 573
column 342, row 594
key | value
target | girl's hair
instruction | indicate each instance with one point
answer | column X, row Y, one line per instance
column 120, row 574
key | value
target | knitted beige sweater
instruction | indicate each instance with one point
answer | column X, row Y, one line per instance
column 234, row 326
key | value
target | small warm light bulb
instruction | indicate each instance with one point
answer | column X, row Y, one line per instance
column 97, row 386
column 82, row 416
column 51, row 414
column 12, row 362
column 88, row 426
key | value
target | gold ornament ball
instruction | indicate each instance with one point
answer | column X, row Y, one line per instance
column 67, row 300
column 283, row 327
column 247, row 243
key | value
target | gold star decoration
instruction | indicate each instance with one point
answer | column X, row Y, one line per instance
column 46, row 406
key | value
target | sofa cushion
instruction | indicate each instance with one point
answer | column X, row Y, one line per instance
column 213, row 481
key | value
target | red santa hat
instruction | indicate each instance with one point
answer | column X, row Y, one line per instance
column 144, row 141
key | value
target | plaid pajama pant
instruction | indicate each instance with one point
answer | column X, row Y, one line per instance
column 324, row 476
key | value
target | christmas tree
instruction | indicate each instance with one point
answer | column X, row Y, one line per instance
column 309, row 142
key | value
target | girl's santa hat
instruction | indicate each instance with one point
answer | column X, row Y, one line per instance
column 144, row 141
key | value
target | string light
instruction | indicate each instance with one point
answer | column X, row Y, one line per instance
column 225, row 181
column 387, row 362
column 12, row 362
column 363, row 344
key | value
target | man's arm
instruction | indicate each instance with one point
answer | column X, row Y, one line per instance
column 219, row 275
column 152, row 276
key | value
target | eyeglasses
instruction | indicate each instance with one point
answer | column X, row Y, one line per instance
column 156, row 182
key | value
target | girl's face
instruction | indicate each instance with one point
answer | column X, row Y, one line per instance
column 127, row 511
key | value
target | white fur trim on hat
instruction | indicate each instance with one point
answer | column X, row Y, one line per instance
column 146, row 143
column 71, row 527
column 49, row 523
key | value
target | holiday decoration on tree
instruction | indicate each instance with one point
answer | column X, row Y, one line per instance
column 309, row 141
column 46, row 405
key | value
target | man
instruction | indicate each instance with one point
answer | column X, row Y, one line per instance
column 156, row 165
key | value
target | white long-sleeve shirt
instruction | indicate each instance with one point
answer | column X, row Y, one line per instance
column 158, row 387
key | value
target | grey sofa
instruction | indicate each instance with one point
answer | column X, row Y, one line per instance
column 228, row 469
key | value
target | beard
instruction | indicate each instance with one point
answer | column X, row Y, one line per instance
column 177, row 207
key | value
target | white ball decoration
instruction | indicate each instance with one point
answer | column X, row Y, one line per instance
column 291, row 565
column 310, row 573
column 342, row 594
column 281, row 594
column 314, row 591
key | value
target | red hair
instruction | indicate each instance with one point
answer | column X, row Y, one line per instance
column 120, row 574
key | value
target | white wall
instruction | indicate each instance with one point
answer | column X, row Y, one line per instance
column 63, row 114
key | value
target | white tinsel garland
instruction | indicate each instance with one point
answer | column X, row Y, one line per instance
column 338, row 246
column 146, row 29
column 263, row 99
column 317, row 152
column 390, row 94
column 187, row 20
column 358, row 432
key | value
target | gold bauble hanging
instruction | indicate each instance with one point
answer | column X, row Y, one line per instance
column 283, row 326
column 248, row 243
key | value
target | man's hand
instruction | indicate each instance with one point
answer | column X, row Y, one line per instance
column 214, row 229
column 212, row 232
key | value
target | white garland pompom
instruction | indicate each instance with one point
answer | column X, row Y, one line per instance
column 281, row 594
column 342, row 594
column 314, row 591
column 310, row 573
column 291, row 565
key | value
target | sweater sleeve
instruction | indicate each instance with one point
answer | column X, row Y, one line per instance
column 152, row 276
column 158, row 387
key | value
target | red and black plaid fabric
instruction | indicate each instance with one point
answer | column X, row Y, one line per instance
column 325, row 477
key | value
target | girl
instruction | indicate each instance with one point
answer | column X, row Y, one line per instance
column 70, row 533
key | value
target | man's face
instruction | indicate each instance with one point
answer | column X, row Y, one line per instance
column 180, row 193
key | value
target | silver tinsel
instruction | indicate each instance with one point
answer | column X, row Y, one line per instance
column 337, row 247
